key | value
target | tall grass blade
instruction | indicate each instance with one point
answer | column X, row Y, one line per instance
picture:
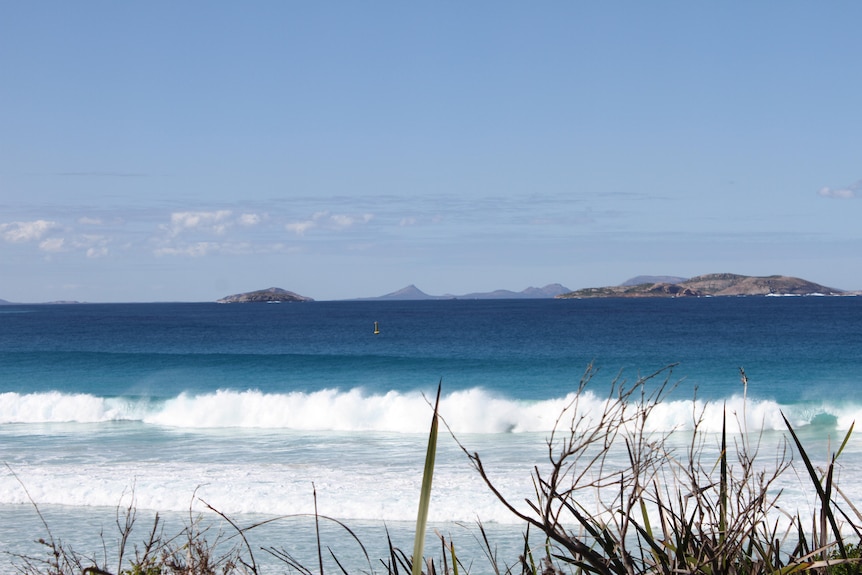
column 317, row 529
column 722, row 494
column 647, row 527
column 392, row 569
column 824, row 500
column 443, row 554
column 454, row 559
column 425, row 493
column 846, row 439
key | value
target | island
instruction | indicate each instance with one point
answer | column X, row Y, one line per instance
column 709, row 285
column 270, row 295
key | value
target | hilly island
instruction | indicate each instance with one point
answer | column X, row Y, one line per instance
column 269, row 295
column 709, row 285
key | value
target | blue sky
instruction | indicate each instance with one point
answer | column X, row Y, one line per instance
column 164, row 151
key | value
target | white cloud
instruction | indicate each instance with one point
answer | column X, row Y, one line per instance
column 201, row 249
column 98, row 252
column 38, row 231
column 216, row 222
column 346, row 221
column 407, row 222
column 96, row 246
column 299, row 228
column 17, row 232
column 88, row 221
column 194, row 250
column 250, row 219
column 845, row 193
column 176, row 238
column 328, row 221
column 52, row 245
column 342, row 221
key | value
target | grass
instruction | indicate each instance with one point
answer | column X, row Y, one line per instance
column 665, row 511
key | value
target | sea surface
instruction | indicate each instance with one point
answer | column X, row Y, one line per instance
column 262, row 411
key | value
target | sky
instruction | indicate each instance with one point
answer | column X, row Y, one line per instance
column 184, row 151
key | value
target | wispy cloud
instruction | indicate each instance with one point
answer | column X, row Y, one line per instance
column 190, row 233
column 52, row 237
column 327, row 220
column 344, row 221
column 197, row 249
column 97, row 252
column 250, row 219
column 300, row 227
column 102, row 174
column 215, row 222
column 335, row 224
column 93, row 245
column 208, row 248
column 17, row 232
column 845, row 193
column 52, row 245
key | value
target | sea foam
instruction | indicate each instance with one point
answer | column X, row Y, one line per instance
column 473, row 410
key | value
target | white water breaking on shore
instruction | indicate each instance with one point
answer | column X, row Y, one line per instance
column 474, row 410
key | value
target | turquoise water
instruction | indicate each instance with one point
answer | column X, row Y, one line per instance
column 249, row 406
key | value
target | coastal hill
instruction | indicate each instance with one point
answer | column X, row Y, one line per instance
column 548, row 291
column 273, row 294
column 638, row 280
column 412, row 292
column 709, row 285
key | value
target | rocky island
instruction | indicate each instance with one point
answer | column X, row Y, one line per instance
column 710, row 285
column 271, row 295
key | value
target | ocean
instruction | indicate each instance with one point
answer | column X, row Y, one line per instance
column 262, row 411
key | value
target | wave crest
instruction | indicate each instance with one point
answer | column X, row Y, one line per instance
column 472, row 410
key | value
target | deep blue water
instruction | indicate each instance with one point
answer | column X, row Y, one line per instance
column 524, row 349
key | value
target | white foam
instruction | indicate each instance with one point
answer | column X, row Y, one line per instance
column 53, row 407
column 473, row 410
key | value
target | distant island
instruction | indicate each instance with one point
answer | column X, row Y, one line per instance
column 57, row 302
column 709, row 285
column 412, row 292
column 270, row 295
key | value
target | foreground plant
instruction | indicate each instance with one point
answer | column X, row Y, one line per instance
column 195, row 550
column 662, row 513
column 425, row 493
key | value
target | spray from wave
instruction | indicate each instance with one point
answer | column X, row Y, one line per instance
column 473, row 410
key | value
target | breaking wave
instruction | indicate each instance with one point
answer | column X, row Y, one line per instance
column 474, row 410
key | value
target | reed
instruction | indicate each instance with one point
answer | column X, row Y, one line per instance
column 425, row 493
column 666, row 514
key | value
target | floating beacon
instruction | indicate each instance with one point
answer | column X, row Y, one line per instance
column 376, row 329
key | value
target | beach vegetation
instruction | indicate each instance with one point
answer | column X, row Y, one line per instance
column 666, row 512
column 711, row 507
